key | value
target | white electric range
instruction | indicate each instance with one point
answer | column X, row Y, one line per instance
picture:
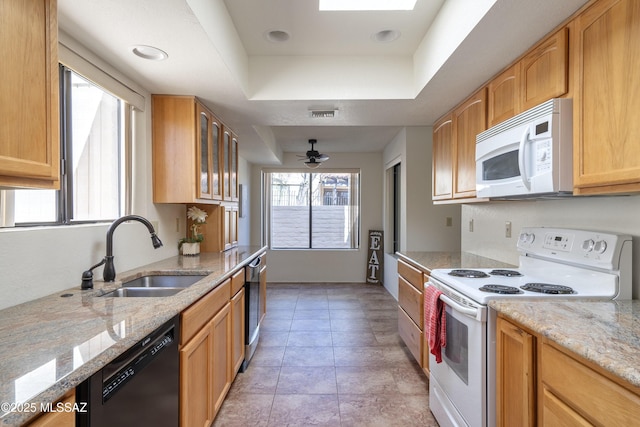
column 553, row 263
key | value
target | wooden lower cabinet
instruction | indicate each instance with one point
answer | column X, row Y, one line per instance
column 540, row 383
column 206, row 370
column 515, row 376
column 411, row 311
column 576, row 394
column 221, row 356
column 196, row 380
column 58, row 419
column 410, row 334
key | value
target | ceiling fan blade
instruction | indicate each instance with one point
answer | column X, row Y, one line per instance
column 322, row 158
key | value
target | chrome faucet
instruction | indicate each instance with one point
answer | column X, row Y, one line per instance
column 109, row 271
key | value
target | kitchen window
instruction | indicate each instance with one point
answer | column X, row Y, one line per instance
column 313, row 210
column 95, row 134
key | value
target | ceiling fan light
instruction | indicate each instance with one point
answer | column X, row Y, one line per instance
column 312, row 164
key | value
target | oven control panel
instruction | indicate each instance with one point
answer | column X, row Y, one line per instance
column 558, row 242
column 593, row 248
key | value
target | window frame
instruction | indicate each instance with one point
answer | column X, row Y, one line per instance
column 64, row 196
column 355, row 205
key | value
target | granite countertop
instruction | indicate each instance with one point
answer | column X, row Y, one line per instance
column 429, row 260
column 606, row 333
column 50, row 345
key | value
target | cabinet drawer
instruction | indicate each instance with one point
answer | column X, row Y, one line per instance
column 411, row 300
column 237, row 282
column 589, row 393
column 410, row 334
column 196, row 316
column 411, row 274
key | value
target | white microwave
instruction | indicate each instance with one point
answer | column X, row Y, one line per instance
column 530, row 154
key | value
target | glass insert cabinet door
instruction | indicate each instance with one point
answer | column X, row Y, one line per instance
column 204, row 181
column 216, row 190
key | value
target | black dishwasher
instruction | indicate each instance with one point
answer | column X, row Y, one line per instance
column 138, row 388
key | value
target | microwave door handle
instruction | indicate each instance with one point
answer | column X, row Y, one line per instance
column 521, row 154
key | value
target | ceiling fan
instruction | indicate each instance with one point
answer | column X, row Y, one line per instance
column 313, row 158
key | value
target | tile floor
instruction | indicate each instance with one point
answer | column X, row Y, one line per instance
column 329, row 355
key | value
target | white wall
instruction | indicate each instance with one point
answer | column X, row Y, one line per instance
column 617, row 214
column 423, row 224
column 302, row 266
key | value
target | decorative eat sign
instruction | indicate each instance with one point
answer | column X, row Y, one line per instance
column 375, row 257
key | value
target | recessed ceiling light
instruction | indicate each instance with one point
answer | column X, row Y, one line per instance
column 367, row 4
column 386, row 36
column 277, row 36
column 149, row 52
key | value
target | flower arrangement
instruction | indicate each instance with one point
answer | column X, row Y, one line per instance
column 198, row 216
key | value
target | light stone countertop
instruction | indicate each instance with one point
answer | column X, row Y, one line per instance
column 606, row 333
column 430, row 260
column 50, row 345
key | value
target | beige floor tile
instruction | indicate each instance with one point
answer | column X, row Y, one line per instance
column 354, row 339
column 308, row 356
column 365, row 380
column 256, row 379
column 310, row 339
column 268, row 356
column 320, row 314
column 273, row 338
column 376, row 410
column 305, row 410
column 307, row 380
column 311, row 325
column 245, row 410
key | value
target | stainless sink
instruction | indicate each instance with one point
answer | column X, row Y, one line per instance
column 154, row 286
column 143, row 292
column 162, row 281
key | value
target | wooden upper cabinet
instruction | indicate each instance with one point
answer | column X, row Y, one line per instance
column 469, row 119
column 607, row 99
column 187, row 151
column 503, row 96
column 544, row 70
column 442, row 170
column 29, row 94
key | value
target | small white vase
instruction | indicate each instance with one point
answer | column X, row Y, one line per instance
column 191, row 249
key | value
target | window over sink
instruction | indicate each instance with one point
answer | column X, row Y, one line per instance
column 95, row 136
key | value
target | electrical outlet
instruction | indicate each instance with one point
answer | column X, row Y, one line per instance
column 471, row 226
column 449, row 221
column 507, row 229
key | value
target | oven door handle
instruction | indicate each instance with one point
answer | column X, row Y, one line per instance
column 473, row 312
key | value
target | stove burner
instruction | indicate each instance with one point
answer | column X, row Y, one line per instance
column 547, row 288
column 505, row 273
column 500, row 289
column 468, row 273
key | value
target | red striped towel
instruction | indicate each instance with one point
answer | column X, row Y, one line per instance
column 435, row 326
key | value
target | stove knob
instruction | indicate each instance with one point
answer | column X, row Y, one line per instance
column 600, row 246
column 587, row 245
